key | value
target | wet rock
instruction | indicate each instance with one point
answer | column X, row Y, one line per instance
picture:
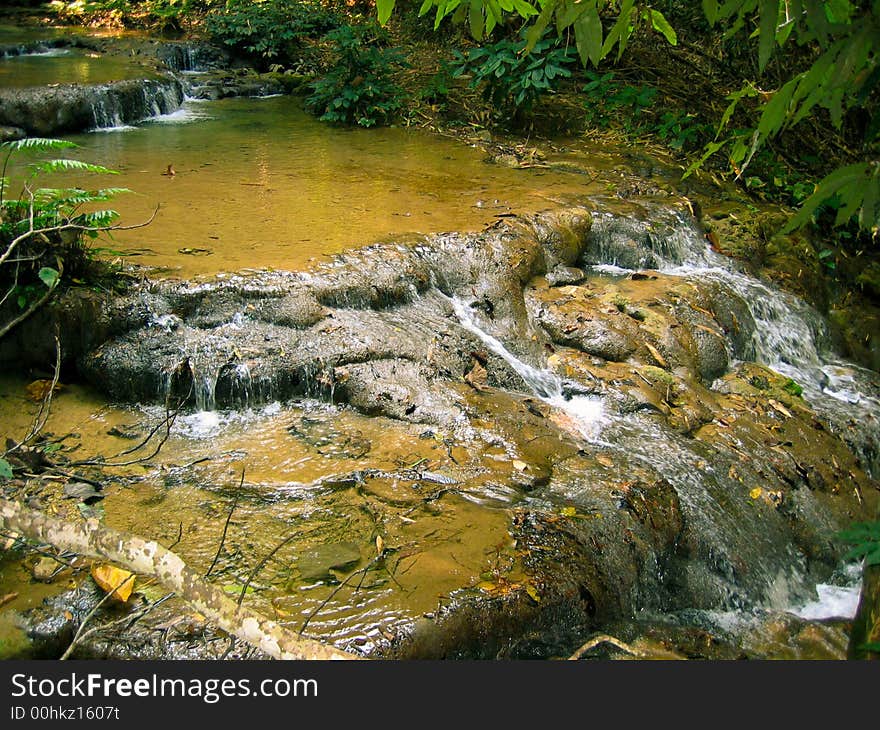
column 298, row 310
column 563, row 236
column 866, row 625
column 609, row 335
column 45, row 569
column 318, row 563
column 169, row 630
column 562, row 275
column 51, row 110
column 395, row 388
column 10, row 134
column 627, row 242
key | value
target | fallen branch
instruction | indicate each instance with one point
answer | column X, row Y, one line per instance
column 149, row 558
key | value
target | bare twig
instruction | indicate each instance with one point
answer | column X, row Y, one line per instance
column 226, row 525
column 90, row 614
column 167, row 422
column 35, row 305
column 605, row 639
column 261, row 564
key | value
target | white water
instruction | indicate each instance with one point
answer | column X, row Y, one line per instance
column 790, row 336
column 587, row 411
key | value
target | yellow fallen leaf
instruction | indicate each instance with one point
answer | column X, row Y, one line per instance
column 520, row 465
column 533, row 593
column 756, row 492
column 569, row 511
column 779, row 408
column 655, row 353
column 604, row 460
column 39, row 389
column 380, row 544
column 110, row 578
column 487, row 587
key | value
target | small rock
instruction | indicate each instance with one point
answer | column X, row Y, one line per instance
column 44, row 569
column 562, row 275
column 316, row 563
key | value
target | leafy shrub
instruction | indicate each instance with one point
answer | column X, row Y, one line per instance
column 44, row 231
column 608, row 99
column 271, row 30
column 511, row 79
column 358, row 88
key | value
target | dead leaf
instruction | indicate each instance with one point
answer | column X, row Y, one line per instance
column 756, row 493
column 655, row 353
column 533, row 593
column 7, row 598
column 604, row 460
column 477, row 377
column 39, row 389
column 380, row 545
column 520, row 465
column 779, row 408
column 110, row 578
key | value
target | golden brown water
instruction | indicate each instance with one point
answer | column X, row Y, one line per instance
column 290, row 456
column 261, row 184
column 69, row 66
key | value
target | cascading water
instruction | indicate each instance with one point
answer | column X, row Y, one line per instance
column 790, row 336
column 587, row 410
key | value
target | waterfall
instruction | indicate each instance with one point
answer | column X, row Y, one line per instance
column 790, row 336
column 587, row 411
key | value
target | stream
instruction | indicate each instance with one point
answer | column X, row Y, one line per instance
column 379, row 354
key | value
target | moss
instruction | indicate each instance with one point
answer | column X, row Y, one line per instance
column 655, row 374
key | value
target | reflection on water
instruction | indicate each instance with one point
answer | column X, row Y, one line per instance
column 297, row 461
column 260, row 183
column 68, row 66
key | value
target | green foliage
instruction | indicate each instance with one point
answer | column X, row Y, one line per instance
column 792, row 388
column 358, row 88
column 606, row 99
column 842, row 76
column 436, row 90
column 5, row 469
column 43, row 230
column 269, row 30
column 165, row 15
column 511, row 79
column 865, row 539
column 584, row 18
column 836, row 74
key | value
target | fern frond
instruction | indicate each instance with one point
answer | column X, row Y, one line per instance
column 40, row 144
column 65, row 165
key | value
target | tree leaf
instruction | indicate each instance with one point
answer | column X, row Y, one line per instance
column 49, row 277
column 710, row 10
column 853, row 177
column 384, row 9
column 588, row 36
column 661, row 25
column 475, row 19
column 769, row 17
column 5, row 469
